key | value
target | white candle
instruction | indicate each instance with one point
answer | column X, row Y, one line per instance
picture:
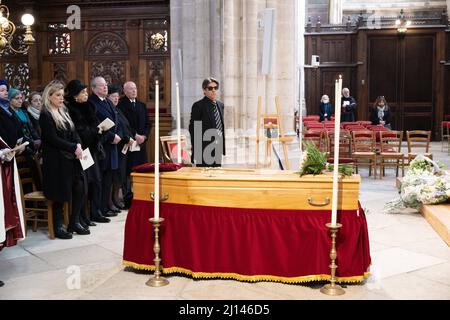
column 300, row 126
column 337, row 131
column 156, row 196
column 179, row 160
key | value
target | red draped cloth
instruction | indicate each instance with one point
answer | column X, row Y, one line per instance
column 12, row 220
column 247, row 244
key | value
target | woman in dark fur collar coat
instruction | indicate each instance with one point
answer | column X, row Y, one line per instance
column 83, row 115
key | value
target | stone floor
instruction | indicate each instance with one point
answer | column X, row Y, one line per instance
column 410, row 261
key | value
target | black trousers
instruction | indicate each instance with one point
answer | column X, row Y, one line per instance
column 95, row 197
column 78, row 201
column 107, row 179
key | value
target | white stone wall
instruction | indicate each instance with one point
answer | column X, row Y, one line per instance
column 196, row 31
column 221, row 38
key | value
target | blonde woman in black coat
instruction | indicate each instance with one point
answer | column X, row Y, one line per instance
column 61, row 150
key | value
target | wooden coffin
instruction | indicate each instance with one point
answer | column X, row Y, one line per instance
column 249, row 188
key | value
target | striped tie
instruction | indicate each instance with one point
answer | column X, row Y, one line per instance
column 217, row 119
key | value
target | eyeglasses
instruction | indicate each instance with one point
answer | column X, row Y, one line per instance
column 212, row 88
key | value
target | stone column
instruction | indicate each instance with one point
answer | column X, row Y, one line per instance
column 221, row 38
column 300, row 45
column 335, row 11
column 196, row 50
column 283, row 81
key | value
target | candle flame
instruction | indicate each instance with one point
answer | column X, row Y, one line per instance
column 157, row 82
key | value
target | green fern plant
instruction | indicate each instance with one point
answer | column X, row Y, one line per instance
column 313, row 161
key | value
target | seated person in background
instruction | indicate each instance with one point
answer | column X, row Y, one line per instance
column 326, row 109
column 348, row 106
column 380, row 114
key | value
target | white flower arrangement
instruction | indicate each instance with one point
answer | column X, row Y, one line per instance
column 424, row 183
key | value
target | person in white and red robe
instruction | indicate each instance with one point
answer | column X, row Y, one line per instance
column 12, row 227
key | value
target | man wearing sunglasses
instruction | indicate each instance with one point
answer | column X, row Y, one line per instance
column 207, row 127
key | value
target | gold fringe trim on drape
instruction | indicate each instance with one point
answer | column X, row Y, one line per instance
column 239, row 277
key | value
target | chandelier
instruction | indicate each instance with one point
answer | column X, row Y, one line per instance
column 8, row 29
column 402, row 23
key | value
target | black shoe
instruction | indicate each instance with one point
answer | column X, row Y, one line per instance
column 61, row 233
column 119, row 205
column 78, row 228
column 109, row 214
column 84, row 225
column 85, row 222
column 1, row 283
column 114, row 209
column 100, row 219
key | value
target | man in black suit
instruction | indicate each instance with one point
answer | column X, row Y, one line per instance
column 207, row 123
column 110, row 139
column 348, row 106
column 137, row 115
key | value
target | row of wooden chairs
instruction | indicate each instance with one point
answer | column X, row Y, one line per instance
column 362, row 147
column 445, row 135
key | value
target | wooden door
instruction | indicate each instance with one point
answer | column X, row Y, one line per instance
column 401, row 69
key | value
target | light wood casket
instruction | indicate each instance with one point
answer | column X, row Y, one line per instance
column 249, row 188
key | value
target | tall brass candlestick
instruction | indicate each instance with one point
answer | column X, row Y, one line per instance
column 157, row 280
column 333, row 289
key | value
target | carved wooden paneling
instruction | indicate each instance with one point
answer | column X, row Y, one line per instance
column 58, row 39
column 157, row 70
column 406, row 70
column 112, row 71
column 63, row 71
column 418, row 89
column 156, row 41
column 105, row 44
column 311, row 91
column 447, row 49
column 419, row 68
column 382, row 64
column 447, row 95
column 60, row 72
column 156, row 36
column 18, row 76
column 107, row 25
column 402, row 70
column 336, row 57
column 335, row 49
column 18, row 44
